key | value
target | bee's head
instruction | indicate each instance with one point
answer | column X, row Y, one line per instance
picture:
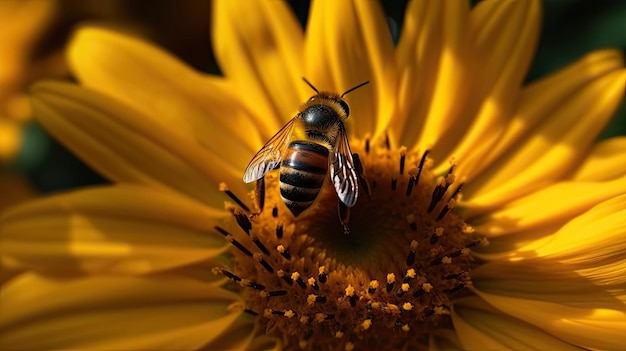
column 334, row 97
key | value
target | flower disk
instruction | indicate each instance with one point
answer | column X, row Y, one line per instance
column 405, row 256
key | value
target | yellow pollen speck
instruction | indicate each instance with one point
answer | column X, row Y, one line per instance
column 441, row 310
column 391, row 278
column 411, row 273
column 310, row 299
column 319, row 317
column 295, row 275
column 280, row 248
column 446, row 260
column 263, row 294
column 410, row 218
column 466, row 251
column 289, row 314
column 414, row 245
column 280, row 273
column 321, row 270
column 223, row 187
column 339, row 334
column 304, row 319
column 405, row 287
column 405, row 328
column 366, row 324
column 350, row 290
column 374, row 284
column 267, row 312
column 393, row 308
column 407, row 306
column 311, row 281
column 439, row 231
column 427, row 287
column 467, row 229
column 349, row 346
column 375, row 305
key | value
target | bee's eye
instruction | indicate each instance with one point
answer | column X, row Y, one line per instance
column 344, row 106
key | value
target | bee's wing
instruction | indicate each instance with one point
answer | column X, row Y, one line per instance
column 271, row 154
column 342, row 170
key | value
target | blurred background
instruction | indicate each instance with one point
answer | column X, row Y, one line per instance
column 33, row 34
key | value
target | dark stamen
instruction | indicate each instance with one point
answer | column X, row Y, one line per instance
column 409, row 187
column 243, row 221
column 253, row 285
column 394, row 183
column 410, row 259
column 221, row 230
column 387, row 142
column 238, row 245
column 367, row 146
column 260, row 245
column 277, row 293
column 230, row 275
column 275, row 212
column 281, row 274
column 224, row 188
column 263, row 263
column 322, row 275
column 296, row 276
column 421, row 166
column 402, row 161
column 279, row 231
column 283, row 251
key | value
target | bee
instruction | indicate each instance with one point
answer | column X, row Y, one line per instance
column 305, row 148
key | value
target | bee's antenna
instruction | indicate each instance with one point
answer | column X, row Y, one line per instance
column 354, row 88
column 311, row 85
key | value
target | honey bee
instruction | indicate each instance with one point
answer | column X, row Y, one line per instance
column 310, row 143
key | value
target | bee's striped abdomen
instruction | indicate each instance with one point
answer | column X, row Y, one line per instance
column 302, row 174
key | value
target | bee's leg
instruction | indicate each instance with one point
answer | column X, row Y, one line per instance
column 358, row 167
column 259, row 194
column 344, row 216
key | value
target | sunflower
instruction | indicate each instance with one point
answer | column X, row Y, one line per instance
column 488, row 218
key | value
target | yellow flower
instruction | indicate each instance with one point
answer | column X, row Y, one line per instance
column 531, row 257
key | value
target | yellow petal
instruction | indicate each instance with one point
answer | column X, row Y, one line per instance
column 480, row 327
column 550, row 281
column 113, row 313
column 205, row 110
column 503, row 46
column 607, row 160
column 348, row 43
column 125, row 146
column 432, row 76
column 258, row 45
column 593, row 328
column 541, row 98
column 553, row 149
column 591, row 238
column 123, row 229
column 553, row 205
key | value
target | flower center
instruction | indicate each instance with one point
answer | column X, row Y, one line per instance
column 388, row 283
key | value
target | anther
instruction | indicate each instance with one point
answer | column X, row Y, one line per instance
column 243, row 221
column 275, row 293
column 412, row 224
column 410, row 275
column 421, row 166
column 410, row 258
column 279, row 231
column 281, row 274
column 313, row 284
column 260, row 245
column 402, row 159
column 252, row 284
column 313, row 299
column 283, row 251
column 261, row 260
column 403, row 289
column 391, row 278
column 224, row 189
column 296, row 276
column 411, row 184
column 221, row 230
column 238, row 245
column 372, row 287
column 322, row 277
column 227, row 274
column 436, row 235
